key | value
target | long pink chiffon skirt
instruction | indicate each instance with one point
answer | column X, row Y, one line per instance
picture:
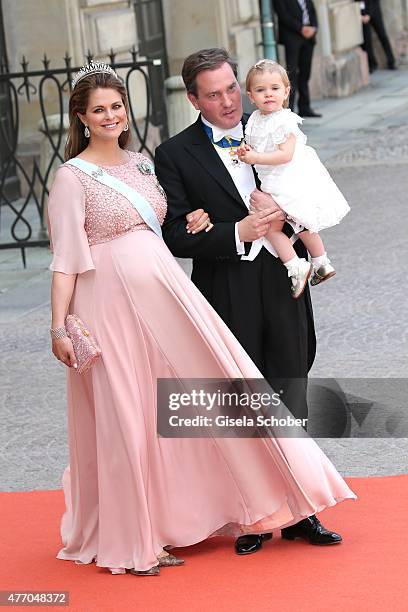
column 128, row 492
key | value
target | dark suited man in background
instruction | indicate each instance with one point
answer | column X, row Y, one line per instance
column 297, row 22
column 372, row 18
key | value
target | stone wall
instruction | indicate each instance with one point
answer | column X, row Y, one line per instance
column 339, row 67
column 194, row 25
column 57, row 26
column 54, row 27
column 28, row 32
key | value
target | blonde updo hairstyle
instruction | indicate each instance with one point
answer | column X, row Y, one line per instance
column 78, row 103
column 267, row 65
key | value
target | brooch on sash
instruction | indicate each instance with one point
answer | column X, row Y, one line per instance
column 148, row 169
column 98, row 172
column 145, row 168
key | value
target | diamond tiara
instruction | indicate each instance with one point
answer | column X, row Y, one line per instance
column 92, row 68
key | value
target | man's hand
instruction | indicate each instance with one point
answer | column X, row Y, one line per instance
column 197, row 221
column 308, row 31
column 261, row 201
column 365, row 19
column 256, row 225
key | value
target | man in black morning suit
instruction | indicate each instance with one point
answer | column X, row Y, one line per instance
column 198, row 169
column 297, row 23
column 372, row 18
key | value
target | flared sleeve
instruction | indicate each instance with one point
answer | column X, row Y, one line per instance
column 66, row 218
column 285, row 123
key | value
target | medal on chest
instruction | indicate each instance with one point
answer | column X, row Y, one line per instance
column 233, row 153
column 234, row 159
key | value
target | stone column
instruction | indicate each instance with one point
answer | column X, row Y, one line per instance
column 404, row 4
column 339, row 66
column 244, row 32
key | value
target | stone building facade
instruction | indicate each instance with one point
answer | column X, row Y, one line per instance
column 56, row 26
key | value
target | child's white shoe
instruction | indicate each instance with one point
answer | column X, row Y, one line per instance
column 299, row 273
column 322, row 273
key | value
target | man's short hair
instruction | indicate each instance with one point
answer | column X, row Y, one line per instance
column 206, row 59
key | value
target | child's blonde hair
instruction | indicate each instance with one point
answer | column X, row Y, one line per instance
column 267, row 65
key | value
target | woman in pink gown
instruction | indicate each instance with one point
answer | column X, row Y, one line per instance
column 130, row 493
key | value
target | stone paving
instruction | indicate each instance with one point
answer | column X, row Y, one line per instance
column 361, row 314
column 349, row 122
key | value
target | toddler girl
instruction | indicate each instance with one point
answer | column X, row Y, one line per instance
column 292, row 173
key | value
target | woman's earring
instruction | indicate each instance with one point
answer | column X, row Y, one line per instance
column 87, row 133
column 125, row 129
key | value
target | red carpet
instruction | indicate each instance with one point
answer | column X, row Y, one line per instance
column 367, row 572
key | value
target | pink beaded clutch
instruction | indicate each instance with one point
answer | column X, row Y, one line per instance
column 86, row 348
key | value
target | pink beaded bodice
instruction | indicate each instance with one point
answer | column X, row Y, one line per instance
column 108, row 214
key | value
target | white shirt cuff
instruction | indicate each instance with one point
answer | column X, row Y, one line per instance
column 240, row 245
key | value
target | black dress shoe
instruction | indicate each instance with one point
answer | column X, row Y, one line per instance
column 247, row 544
column 312, row 530
column 308, row 112
column 391, row 66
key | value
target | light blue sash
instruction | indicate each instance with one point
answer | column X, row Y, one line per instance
column 138, row 202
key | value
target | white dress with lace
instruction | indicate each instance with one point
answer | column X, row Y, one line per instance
column 302, row 187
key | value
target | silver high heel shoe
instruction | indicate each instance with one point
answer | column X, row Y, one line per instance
column 169, row 560
column 153, row 571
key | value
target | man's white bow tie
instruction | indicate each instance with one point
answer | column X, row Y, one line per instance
column 237, row 133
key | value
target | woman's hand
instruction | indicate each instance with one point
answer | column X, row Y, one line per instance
column 197, row 221
column 64, row 351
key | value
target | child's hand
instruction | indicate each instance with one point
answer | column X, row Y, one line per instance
column 243, row 147
column 246, row 154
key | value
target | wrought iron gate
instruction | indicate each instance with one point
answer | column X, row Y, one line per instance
column 24, row 216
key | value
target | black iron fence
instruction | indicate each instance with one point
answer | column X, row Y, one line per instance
column 25, row 177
